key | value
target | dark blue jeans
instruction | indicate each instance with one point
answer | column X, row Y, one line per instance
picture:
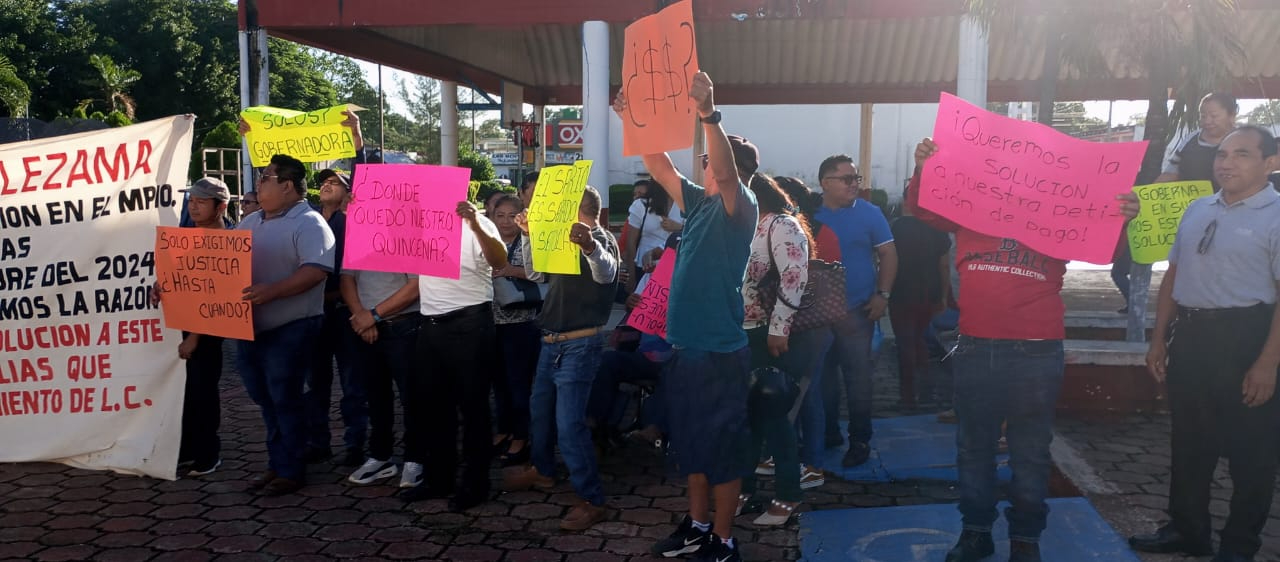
column 389, row 361
column 805, row 354
column 558, row 412
column 274, row 367
column 1017, row 381
column 333, row 344
column 850, row 361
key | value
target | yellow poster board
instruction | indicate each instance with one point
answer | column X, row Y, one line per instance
column 552, row 212
column 312, row 136
column 1151, row 233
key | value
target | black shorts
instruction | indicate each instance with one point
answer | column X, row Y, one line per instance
column 706, row 396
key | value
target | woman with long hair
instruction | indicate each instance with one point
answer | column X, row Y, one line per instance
column 780, row 253
column 650, row 220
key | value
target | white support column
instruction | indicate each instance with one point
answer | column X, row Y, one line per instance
column 448, row 123
column 864, row 143
column 540, row 153
column 595, row 104
column 971, row 78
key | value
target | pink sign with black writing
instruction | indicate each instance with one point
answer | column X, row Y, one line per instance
column 1028, row 182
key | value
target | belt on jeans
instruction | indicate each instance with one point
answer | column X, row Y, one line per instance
column 553, row 337
column 1219, row 314
column 455, row 314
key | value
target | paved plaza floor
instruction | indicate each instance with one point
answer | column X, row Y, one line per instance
column 1119, row 463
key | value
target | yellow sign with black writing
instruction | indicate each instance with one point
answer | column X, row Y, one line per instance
column 1151, row 233
column 552, row 212
column 312, row 136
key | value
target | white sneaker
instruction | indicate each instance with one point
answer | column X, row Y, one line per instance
column 411, row 476
column 765, row 468
column 372, row 471
column 811, row 477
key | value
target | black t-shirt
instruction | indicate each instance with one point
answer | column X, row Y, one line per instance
column 920, row 247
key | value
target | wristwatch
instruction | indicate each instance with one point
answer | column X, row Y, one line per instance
column 712, row 119
column 884, row 294
column 376, row 317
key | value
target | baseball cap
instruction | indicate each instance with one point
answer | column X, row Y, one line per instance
column 325, row 174
column 209, row 188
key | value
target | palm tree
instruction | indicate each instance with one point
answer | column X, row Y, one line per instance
column 14, row 93
column 115, row 80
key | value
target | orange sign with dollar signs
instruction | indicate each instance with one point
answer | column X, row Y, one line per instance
column 659, row 60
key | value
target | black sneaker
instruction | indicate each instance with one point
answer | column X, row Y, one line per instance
column 1022, row 551
column 685, row 540
column 972, row 547
column 857, row 454
column 718, row 551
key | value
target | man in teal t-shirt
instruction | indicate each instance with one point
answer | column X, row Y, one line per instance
column 706, row 380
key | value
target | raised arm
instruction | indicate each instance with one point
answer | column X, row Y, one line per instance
column 924, row 150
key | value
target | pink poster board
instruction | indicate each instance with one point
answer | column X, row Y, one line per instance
column 404, row 219
column 1028, row 182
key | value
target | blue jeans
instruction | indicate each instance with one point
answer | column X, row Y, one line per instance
column 558, row 412
column 608, row 403
column 274, row 367
column 1014, row 381
column 333, row 344
column 805, row 354
column 850, row 360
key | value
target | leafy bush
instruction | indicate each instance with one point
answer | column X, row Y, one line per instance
column 117, row 118
column 481, row 167
column 479, row 191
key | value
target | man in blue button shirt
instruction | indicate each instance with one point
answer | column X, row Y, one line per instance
column 708, row 375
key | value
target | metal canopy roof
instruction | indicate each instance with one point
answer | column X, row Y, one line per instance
column 757, row 51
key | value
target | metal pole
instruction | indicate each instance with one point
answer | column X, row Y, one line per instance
column 382, row 117
column 246, row 168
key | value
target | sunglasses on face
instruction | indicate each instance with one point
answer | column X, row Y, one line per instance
column 847, row 180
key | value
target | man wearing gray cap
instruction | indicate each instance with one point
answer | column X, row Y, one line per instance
column 200, row 452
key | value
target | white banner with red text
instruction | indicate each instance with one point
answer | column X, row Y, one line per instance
column 88, row 374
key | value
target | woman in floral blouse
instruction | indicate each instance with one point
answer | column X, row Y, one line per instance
column 782, row 241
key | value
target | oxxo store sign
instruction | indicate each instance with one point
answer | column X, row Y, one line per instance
column 565, row 134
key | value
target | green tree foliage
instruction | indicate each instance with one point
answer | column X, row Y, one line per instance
column 1265, row 114
column 422, row 127
column 297, row 78
column 481, row 167
column 117, row 118
column 115, row 81
column 14, row 93
column 225, row 135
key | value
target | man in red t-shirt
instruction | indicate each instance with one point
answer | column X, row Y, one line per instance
column 1008, row 366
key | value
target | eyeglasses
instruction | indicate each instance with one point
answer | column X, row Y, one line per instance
column 847, row 180
column 274, row 177
column 248, row 201
column 332, row 182
column 1207, row 239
